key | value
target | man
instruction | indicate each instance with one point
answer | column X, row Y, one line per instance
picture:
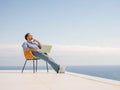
column 34, row 46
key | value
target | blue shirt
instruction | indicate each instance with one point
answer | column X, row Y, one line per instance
column 33, row 45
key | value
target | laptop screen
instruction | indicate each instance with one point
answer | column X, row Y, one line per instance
column 46, row 48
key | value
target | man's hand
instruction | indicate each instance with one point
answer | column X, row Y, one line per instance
column 35, row 40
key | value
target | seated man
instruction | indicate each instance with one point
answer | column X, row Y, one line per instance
column 35, row 46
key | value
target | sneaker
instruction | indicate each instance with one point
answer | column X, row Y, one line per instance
column 61, row 69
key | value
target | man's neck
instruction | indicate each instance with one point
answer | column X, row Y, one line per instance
column 29, row 41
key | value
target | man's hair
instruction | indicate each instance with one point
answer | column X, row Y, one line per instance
column 26, row 35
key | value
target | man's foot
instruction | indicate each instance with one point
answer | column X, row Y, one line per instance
column 61, row 69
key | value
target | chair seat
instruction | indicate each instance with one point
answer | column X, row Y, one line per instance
column 36, row 58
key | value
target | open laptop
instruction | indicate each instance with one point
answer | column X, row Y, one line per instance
column 46, row 49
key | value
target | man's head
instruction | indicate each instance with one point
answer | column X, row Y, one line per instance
column 28, row 36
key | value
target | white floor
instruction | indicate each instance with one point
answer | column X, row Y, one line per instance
column 15, row 80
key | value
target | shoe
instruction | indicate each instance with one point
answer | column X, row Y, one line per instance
column 61, row 69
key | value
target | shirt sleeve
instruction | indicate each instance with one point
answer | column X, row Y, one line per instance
column 24, row 46
column 39, row 46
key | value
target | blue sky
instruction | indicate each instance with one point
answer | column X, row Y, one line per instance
column 82, row 32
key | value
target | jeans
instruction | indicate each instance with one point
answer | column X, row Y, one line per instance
column 48, row 59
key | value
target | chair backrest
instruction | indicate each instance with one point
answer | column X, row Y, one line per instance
column 28, row 55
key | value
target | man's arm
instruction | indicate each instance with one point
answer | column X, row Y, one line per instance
column 39, row 44
column 26, row 48
column 31, row 49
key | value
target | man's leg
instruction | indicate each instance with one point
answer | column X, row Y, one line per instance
column 48, row 59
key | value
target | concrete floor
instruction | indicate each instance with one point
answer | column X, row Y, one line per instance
column 15, row 80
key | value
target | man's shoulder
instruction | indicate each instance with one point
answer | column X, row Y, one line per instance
column 24, row 42
column 24, row 45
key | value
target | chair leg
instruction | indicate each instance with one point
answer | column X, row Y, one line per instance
column 33, row 66
column 36, row 64
column 24, row 66
column 47, row 66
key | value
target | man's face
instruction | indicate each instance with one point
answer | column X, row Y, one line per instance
column 30, row 37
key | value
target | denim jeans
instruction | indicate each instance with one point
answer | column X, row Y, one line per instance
column 48, row 59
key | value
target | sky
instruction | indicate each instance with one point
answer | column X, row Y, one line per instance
column 81, row 32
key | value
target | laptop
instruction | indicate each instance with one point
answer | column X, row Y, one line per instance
column 46, row 49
